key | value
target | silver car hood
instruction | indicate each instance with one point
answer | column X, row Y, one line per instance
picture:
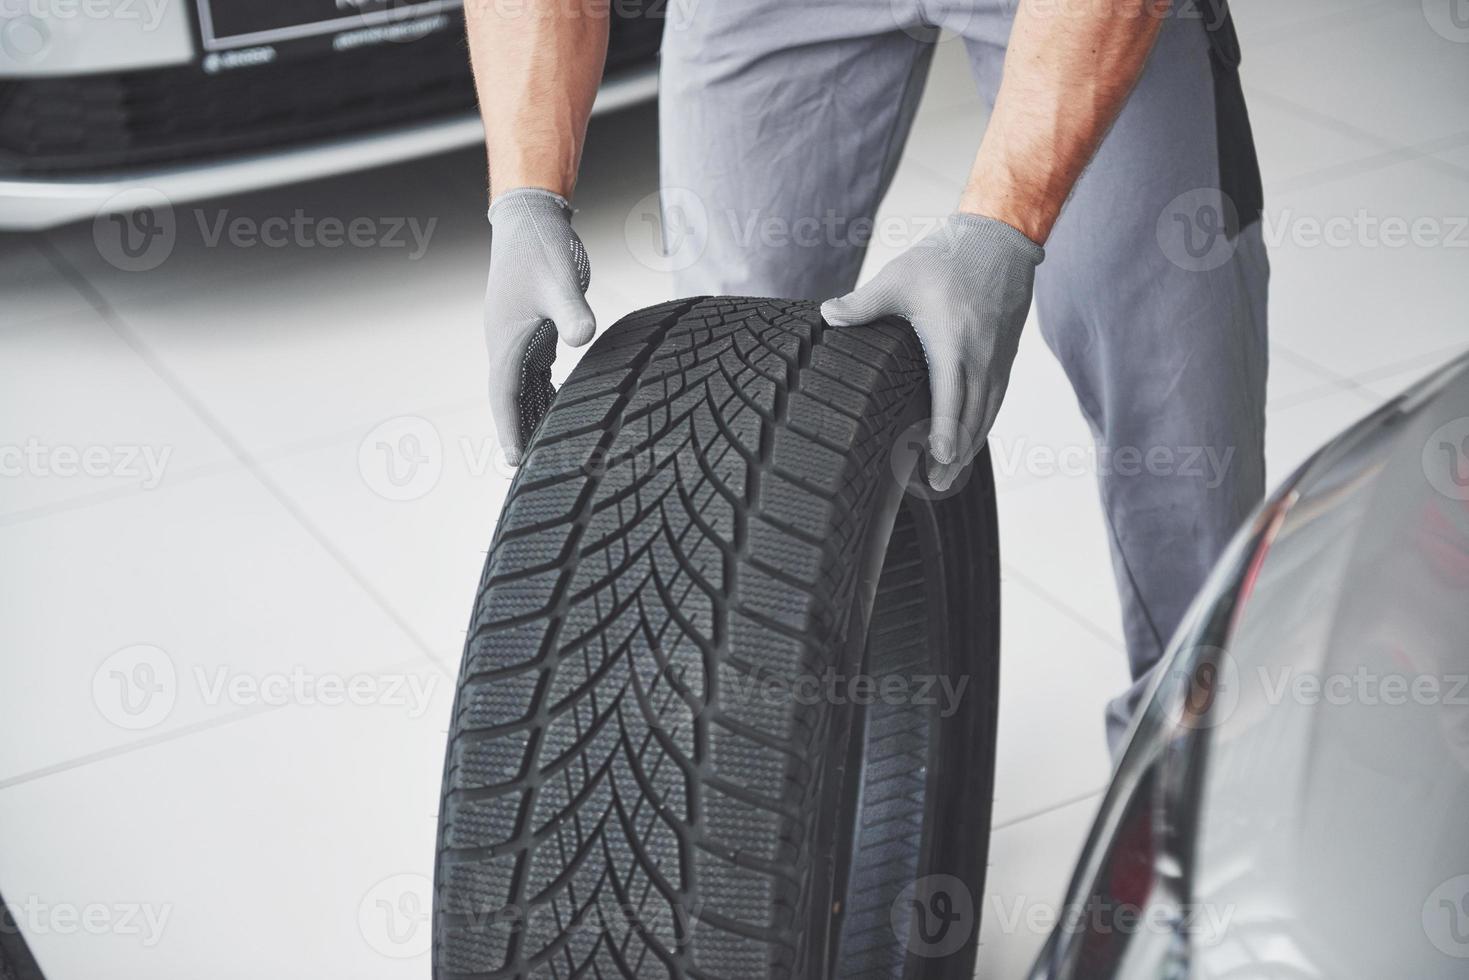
column 1308, row 815
column 1334, row 811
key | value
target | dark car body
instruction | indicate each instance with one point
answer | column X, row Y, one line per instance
column 209, row 96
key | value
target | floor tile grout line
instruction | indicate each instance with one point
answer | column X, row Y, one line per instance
column 1008, row 570
column 1330, row 382
column 1051, row 808
column 1420, row 153
column 1342, row 382
column 252, row 465
column 288, row 451
column 1435, row 358
column 192, row 728
column 97, row 498
column 1390, row 151
column 1297, row 30
column 933, row 175
column 137, row 745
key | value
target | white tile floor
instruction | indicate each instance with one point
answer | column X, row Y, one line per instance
column 242, row 524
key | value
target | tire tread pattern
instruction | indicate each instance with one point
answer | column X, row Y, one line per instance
column 682, row 527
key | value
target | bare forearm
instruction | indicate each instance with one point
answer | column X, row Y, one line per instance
column 1068, row 71
column 537, row 65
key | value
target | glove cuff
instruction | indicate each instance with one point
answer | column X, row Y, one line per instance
column 525, row 202
column 991, row 238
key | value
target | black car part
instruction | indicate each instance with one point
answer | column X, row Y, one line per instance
column 81, row 124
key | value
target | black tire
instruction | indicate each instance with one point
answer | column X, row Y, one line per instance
column 16, row 961
column 635, row 785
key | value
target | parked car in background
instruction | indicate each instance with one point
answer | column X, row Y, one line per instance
column 212, row 96
column 1291, row 802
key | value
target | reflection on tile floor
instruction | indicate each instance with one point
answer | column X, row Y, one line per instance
column 244, row 526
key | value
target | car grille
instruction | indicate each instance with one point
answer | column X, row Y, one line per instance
column 75, row 125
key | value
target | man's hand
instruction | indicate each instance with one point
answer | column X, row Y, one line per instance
column 536, row 69
column 966, row 289
column 538, row 277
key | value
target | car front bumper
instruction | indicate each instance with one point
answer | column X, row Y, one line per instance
column 34, row 203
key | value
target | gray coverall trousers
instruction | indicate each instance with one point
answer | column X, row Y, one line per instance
column 1152, row 294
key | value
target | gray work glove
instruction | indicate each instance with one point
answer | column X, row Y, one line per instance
column 966, row 290
column 538, row 280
